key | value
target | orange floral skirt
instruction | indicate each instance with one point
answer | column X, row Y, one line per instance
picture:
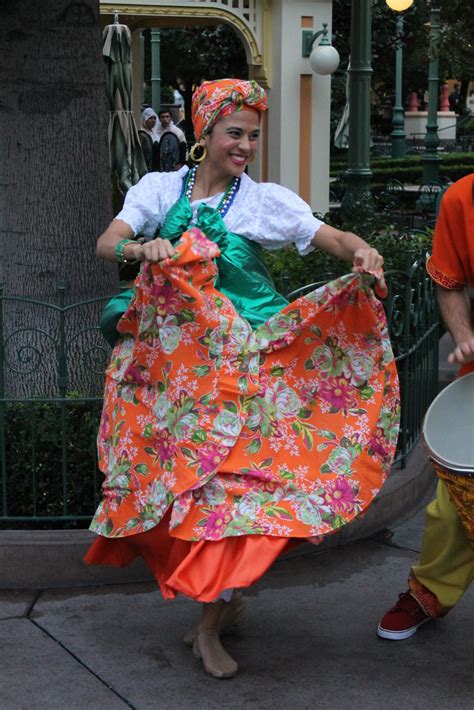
column 223, row 445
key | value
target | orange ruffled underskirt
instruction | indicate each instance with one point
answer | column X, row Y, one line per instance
column 201, row 570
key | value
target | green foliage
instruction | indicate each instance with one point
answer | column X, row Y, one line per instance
column 291, row 271
column 410, row 169
column 447, row 159
column 455, row 49
column 167, row 94
column 34, row 457
column 197, row 53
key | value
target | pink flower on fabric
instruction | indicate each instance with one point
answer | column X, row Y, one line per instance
column 133, row 373
column 339, row 392
column 165, row 445
column 271, row 486
column 307, row 394
column 216, row 523
column 340, row 496
column 167, row 300
column 379, row 445
column 341, row 298
column 200, row 240
column 210, row 456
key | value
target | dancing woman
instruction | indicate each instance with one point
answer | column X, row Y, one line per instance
column 234, row 424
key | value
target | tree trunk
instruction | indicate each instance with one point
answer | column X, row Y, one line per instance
column 56, row 189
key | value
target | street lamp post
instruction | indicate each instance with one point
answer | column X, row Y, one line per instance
column 357, row 196
column 142, row 68
column 155, row 70
column 431, row 159
column 397, row 135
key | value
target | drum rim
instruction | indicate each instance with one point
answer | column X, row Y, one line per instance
column 466, row 470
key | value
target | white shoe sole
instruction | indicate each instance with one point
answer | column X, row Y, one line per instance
column 399, row 635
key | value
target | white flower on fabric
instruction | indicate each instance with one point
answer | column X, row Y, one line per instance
column 214, row 492
column 255, row 413
column 227, row 425
column 311, row 510
column 158, row 496
column 340, row 461
column 309, row 514
column 285, row 400
column 249, row 506
column 161, row 409
column 170, row 338
column 183, row 426
column 360, row 366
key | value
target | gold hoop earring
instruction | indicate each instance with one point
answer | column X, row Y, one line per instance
column 198, row 158
column 254, row 157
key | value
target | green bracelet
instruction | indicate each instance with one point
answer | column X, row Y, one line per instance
column 120, row 248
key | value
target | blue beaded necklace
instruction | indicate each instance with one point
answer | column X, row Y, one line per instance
column 227, row 198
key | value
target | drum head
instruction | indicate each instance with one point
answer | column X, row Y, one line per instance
column 448, row 428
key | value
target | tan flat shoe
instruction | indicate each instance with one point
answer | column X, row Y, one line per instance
column 234, row 615
column 215, row 658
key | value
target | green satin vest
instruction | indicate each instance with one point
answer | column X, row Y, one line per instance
column 242, row 274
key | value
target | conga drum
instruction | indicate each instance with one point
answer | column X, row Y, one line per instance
column 448, row 435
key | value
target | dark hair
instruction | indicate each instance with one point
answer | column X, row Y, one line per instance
column 162, row 111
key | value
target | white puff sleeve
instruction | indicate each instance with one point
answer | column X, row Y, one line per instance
column 142, row 209
column 285, row 218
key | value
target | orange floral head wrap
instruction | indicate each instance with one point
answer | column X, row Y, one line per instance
column 215, row 99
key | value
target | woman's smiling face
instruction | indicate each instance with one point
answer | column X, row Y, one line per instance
column 233, row 141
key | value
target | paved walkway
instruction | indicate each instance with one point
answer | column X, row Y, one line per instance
column 310, row 643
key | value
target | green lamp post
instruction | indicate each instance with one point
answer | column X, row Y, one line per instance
column 397, row 135
column 357, row 197
column 431, row 159
column 155, row 70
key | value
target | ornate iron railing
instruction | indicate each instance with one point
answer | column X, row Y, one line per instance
column 52, row 360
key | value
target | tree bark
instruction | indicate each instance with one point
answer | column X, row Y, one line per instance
column 55, row 196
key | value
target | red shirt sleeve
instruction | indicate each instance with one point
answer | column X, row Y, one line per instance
column 452, row 263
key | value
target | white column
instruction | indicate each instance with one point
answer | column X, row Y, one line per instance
column 284, row 98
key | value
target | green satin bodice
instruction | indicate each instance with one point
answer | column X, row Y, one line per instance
column 242, row 274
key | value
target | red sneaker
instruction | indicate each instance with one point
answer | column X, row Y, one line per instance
column 403, row 619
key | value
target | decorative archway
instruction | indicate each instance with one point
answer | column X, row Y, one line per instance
column 296, row 132
column 245, row 16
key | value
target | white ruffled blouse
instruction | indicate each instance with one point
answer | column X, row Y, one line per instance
column 266, row 213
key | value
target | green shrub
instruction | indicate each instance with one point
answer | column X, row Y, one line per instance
column 291, row 271
column 167, row 95
column 410, row 168
column 34, row 460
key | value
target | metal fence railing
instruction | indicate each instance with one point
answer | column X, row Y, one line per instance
column 52, row 360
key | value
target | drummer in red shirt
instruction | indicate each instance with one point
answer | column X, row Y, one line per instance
column 446, row 566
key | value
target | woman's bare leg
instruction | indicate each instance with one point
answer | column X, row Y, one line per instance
column 234, row 614
column 207, row 645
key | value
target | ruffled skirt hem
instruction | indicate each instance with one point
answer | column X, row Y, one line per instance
column 201, row 570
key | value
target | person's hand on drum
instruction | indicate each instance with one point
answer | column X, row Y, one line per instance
column 464, row 352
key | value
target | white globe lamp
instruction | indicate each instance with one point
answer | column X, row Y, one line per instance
column 324, row 59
